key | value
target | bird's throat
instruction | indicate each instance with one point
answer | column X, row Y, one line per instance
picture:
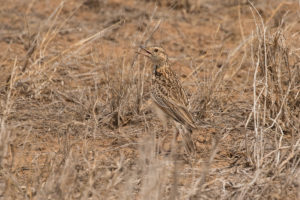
column 157, row 69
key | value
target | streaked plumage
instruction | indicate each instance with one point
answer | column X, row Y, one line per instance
column 169, row 96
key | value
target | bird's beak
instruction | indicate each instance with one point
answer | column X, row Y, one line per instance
column 146, row 52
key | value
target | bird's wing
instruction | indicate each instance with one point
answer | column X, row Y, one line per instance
column 171, row 101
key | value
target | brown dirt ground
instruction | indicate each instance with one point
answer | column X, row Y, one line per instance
column 61, row 111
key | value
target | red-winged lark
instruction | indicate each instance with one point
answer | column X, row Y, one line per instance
column 169, row 97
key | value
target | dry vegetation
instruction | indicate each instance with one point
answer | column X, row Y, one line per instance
column 74, row 99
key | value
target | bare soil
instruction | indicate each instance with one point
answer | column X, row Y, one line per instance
column 75, row 108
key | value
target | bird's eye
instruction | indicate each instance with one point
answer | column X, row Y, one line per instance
column 155, row 50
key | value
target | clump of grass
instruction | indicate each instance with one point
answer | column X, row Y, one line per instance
column 279, row 82
column 272, row 154
column 74, row 123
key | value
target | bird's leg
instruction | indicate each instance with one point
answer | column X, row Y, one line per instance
column 178, row 130
column 188, row 142
column 174, row 154
column 164, row 120
column 157, row 143
column 186, row 138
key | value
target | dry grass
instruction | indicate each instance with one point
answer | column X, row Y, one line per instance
column 74, row 100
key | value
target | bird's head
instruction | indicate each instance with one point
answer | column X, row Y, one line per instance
column 156, row 54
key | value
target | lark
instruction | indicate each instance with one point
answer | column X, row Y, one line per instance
column 169, row 98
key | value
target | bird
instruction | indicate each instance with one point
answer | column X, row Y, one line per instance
column 169, row 98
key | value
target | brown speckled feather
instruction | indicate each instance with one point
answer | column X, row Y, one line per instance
column 169, row 95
